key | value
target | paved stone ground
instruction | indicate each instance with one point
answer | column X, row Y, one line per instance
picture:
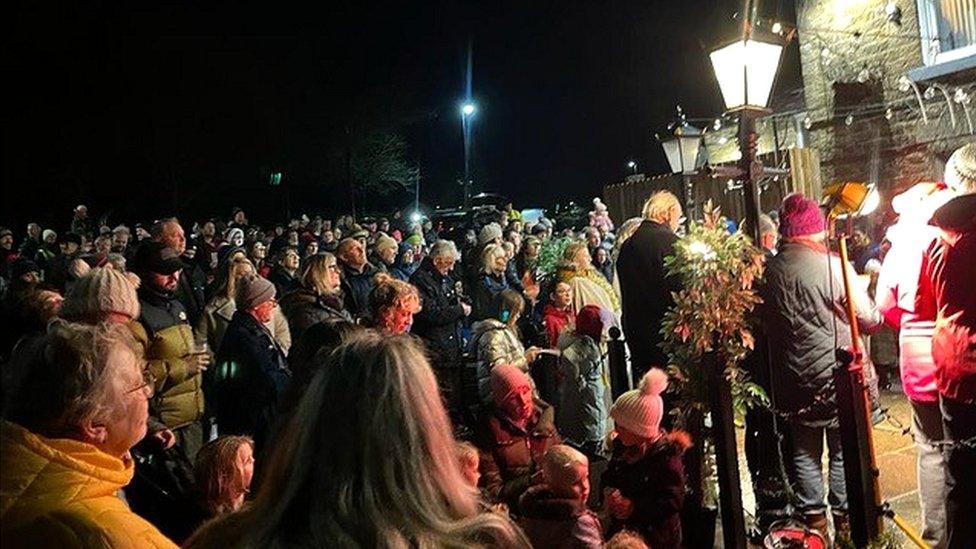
column 895, row 454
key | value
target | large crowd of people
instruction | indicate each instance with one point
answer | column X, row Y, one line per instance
column 395, row 382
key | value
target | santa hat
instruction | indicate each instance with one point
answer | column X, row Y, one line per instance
column 640, row 410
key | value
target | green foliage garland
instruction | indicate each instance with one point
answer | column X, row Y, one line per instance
column 710, row 313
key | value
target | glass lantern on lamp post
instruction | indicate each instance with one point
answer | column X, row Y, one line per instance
column 746, row 70
column 682, row 148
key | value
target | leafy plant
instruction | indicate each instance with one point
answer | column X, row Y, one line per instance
column 711, row 314
column 550, row 254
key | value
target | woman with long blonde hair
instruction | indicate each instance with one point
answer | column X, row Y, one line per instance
column 319, row 299
column 353, row 471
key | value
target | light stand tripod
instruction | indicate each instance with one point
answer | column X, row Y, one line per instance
column 865, row 507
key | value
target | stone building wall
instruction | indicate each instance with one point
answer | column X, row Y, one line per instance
column 853, row 62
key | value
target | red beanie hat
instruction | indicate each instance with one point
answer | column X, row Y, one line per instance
column 588, row 322
column 800, row 216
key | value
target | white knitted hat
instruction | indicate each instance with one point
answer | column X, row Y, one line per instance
column 960, row 172
column 101, row 290
column 640, row 410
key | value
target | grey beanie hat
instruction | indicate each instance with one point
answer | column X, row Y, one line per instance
column 489, row 232
column 252, row 291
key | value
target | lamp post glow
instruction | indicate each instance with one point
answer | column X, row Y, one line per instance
column 468, row 110
column 745, row 70
column 632, row 166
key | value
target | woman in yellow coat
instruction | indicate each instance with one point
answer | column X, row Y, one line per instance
column 81, row 405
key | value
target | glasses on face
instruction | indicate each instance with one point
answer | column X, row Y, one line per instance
column 148, row 386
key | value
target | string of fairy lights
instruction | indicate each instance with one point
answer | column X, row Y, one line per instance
column 930, row 104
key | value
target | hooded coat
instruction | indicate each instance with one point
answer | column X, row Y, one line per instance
column 654, row 481
column 64, row 493
column 946, row 295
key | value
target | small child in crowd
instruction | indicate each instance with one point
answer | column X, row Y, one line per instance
column 643, row 486
column 554, row 514
column 469, row 461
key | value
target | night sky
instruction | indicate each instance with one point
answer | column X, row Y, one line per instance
column 186, row 107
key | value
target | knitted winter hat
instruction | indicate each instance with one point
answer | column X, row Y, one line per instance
column 489, row 232
column 800, row 216
column 506, row 378
column 252, row 291
column 640, row 410
column 384, row 242
column 23, row 266
column 588, row 322
column 48, row 233
column 960, row 171
column 102, row 290
column 415, row 239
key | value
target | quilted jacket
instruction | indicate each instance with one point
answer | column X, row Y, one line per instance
column 167, row 341
column 493, row 344
column 63, row 493
column 804, row 320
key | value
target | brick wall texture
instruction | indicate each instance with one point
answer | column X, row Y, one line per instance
column 853, row 57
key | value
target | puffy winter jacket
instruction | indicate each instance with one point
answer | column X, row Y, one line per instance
column 581, row 408
column 803, row 296
column 493, row 344
column 167, row 341
column 511, row 455
column 947, row 296
column 551, row 521
column 304, row 307
column 64, row 493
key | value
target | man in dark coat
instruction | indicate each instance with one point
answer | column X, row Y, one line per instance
column 439, row 321
column 645, row 288
column 252, row 373
column 357, row 276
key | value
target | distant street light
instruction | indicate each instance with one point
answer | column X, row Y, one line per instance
column 633, row 166
column 468, row 109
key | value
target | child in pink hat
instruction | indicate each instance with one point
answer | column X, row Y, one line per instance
column 644, row 484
